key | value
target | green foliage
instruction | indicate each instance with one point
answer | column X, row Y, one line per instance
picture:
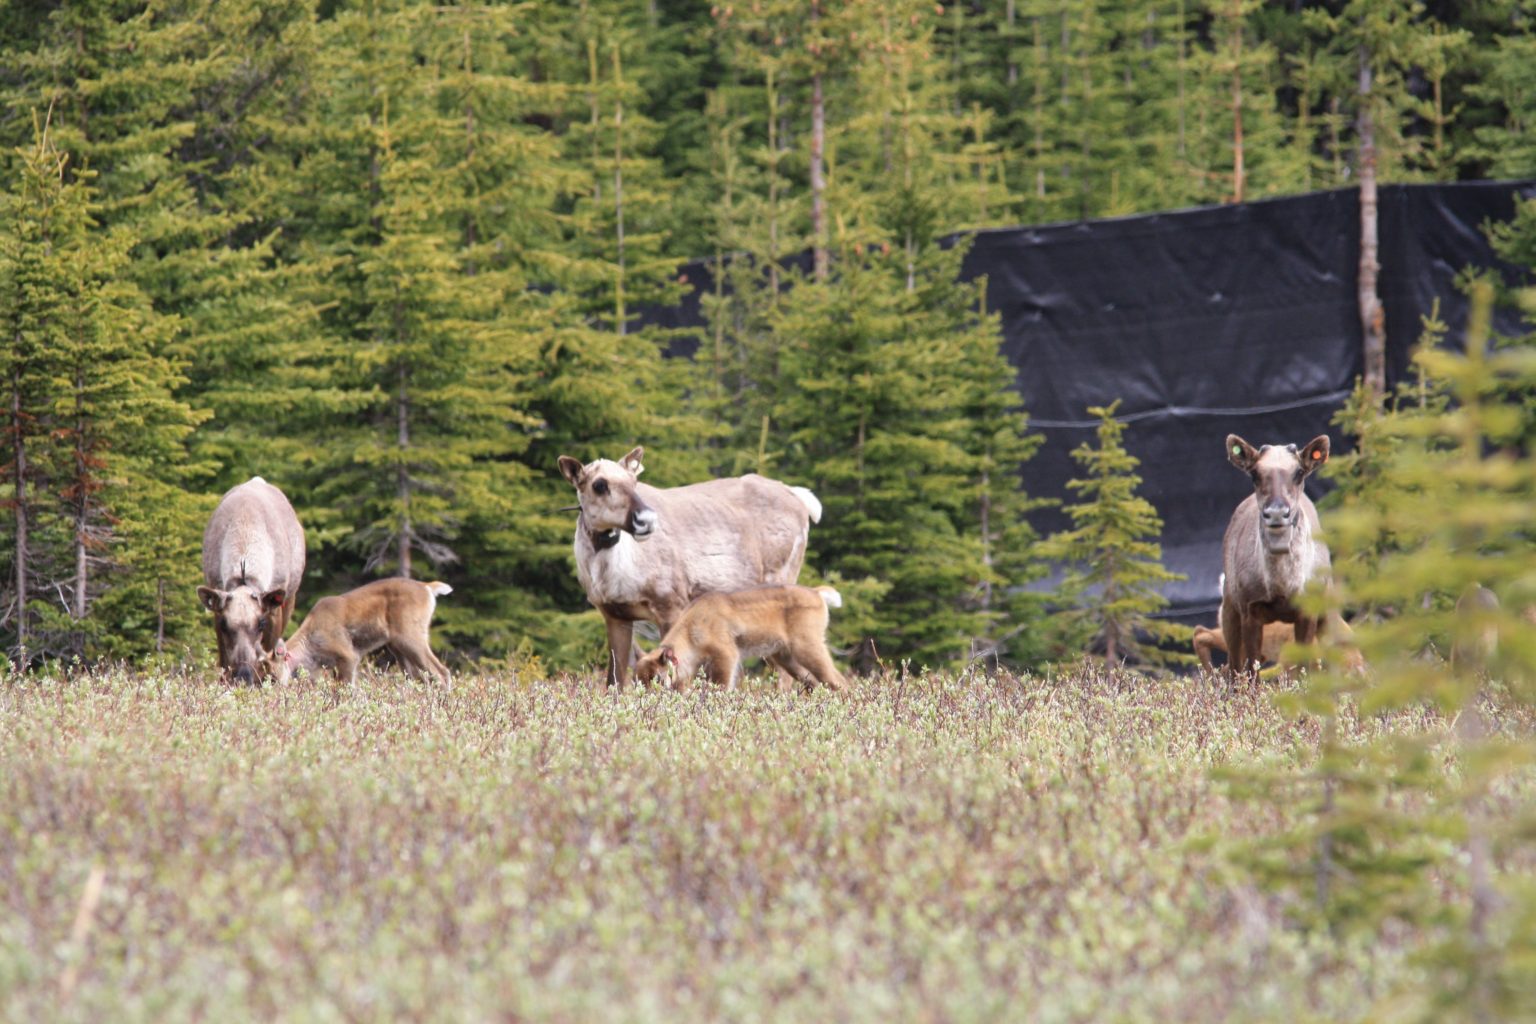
column 881, row 406
column 396, row 251
column 924, row 848
column 1113, row 570
column 1441, row 512
column 1372, row 50
column 93, row 430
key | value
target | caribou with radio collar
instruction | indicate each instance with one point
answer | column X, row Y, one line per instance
column 645, row 553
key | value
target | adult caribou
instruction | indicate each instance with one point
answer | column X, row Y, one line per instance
column 645, row 553
column 1270, row 552
column 253, row 562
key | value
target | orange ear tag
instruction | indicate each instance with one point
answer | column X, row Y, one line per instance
column 1316, row 454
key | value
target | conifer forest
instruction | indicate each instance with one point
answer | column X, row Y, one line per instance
column 398, row 259
column 389, row 256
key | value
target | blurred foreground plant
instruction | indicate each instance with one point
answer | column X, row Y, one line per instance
column 1436, row 541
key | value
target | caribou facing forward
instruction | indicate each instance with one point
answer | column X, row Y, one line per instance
column 646, row 552
column 1270, row 552
column 253, row 560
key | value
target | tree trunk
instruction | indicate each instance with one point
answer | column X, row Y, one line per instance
column 1039, row 111
column 1372, row 317
column 818, row 181
column 22, row 554
column 82, row 504
column 402, row 477
column 618, row 188
column 160, row 615
column 469, row 148
column 986, row 539
column 82, row 579
column 1010, row 16
column 773, row 188
column 1237, row 106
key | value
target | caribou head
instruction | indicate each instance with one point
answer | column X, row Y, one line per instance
column 608, row 497
column 1277, row 472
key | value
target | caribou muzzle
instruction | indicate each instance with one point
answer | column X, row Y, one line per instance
column 1277, row 522
column 642, row 521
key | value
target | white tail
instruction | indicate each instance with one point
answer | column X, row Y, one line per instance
column 438, row 589
column 832, row 597
column 808, row 499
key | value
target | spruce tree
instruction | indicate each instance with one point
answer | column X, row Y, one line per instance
column 1114, row 570
column 32, row 285
column 423, row 366
column 93, row 422
column 872, row 413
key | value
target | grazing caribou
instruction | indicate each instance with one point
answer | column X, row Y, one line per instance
column 394, row 613
column 253, row 561
column 786, row 625
column 1270, row 553
column 647, row 552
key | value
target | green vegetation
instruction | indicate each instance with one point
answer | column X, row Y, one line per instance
column 389, row 256
column 924, row 847
column 1113, row 567
column 1434, row 521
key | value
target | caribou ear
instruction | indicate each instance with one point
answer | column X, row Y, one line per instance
column 571, row 469
column 1240, row 453
column 212, row 599
column 667, row 656
column 1315, row 453
column 631, row 461
column 273, row 598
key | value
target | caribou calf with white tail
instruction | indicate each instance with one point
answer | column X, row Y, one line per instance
column 785, row 625
column 339, row 630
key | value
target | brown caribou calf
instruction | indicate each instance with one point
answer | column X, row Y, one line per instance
column 1276, row 636
column 787, row 625
column 394, row 613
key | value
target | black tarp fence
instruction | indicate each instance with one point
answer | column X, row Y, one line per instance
column 1233, row 319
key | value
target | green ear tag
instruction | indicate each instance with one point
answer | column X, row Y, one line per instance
column 1237, row 449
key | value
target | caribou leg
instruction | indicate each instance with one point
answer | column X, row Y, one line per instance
column 621, row 638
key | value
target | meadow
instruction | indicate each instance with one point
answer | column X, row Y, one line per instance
column 923, row 848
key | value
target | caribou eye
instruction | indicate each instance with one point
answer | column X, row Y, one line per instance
column 601, row 487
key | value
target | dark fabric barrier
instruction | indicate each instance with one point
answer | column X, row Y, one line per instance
column 1232, row 319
